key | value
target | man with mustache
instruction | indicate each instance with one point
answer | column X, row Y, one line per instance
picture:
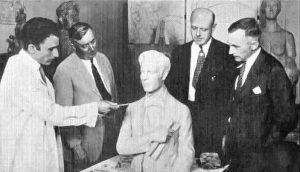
column 86, row 76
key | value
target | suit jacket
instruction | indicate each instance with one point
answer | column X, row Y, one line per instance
column 263, row 110
column 75, row 86
column 178, row 153
column 212, row 91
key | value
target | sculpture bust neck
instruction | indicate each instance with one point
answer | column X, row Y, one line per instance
column 271, row 26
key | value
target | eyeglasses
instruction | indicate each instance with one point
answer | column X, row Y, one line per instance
column 87, row 45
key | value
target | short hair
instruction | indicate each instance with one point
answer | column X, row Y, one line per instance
column 78, row 30
column 63, row 9
column 249, row 25
column 36, row 30
column 162, row 61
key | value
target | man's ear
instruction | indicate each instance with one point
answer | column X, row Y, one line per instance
column 31, row 49
column 254, row 44
column 214, row 26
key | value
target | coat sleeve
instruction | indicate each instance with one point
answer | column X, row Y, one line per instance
column 284, row 112
column 129, row 144
column 186, row 150
column 64, row 96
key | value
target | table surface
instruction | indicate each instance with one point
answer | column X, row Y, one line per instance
column 110, row 164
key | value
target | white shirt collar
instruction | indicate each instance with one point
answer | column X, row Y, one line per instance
column 29, row 60
column 250, row 61
column 205, row 47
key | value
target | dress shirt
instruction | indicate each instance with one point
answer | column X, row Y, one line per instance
column 248, row 64
column 88, row 64
column 28, row 115
column 195, row 49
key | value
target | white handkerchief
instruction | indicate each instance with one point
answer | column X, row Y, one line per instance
column 256, row 90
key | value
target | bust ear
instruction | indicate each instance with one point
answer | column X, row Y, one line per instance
column 164, row 74
column 60, row 19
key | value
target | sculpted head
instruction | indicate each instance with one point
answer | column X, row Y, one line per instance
column 68, row 14
column 270, row 9
column 154, row 68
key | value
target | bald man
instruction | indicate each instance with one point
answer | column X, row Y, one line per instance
column 157, row 129
column 202, row 77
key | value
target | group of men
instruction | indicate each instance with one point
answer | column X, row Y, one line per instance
column 235, row 100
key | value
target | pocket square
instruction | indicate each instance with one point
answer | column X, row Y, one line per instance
column 256, row 90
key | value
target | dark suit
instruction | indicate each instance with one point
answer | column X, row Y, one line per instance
column 262, row 113
column 212, row 92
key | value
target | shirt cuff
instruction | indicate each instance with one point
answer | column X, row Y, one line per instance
column 93, row 115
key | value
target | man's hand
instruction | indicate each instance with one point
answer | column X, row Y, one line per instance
column 105, row 106
column 80, row 155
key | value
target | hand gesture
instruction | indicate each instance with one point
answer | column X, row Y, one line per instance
column 105, row 106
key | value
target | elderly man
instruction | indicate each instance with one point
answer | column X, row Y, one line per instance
column 67, row 15
column 262, row 110
column 27, row 106
column 157, row 128
column 201, row 77
column 86, row 76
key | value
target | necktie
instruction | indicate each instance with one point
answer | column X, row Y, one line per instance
column 101, row 88
column 200, row 62
column 240, row 77
column 43, row 76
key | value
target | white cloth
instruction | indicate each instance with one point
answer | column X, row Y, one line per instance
column 249, row 63
column 27, row 115
column 195, row 49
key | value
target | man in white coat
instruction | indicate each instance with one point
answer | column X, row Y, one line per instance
column 28, row 111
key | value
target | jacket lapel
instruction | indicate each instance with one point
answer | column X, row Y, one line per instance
column 84, row 75
column 254, row 75
column 104, row 74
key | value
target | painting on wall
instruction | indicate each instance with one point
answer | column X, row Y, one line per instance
column 150, row 20
column 226, row 11
column 8, row 10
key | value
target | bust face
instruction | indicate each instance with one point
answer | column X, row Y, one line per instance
column 70, row 19
column 272, row 9
column 151, row 77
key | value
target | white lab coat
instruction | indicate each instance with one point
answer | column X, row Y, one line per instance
column 27, row 115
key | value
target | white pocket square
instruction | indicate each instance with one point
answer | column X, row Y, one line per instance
column 256, row 90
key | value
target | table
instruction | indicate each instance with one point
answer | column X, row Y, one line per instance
column 110, row 164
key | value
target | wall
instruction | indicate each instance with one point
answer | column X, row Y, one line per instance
column 107, row 17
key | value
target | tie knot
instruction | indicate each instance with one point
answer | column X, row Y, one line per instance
column 200, row 46
column 92, row 61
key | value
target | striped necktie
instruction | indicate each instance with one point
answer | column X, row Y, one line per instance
column 240, row 77
column 200, row 62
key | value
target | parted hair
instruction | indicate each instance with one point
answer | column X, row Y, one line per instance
column 78, row 30
column 249, row 25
